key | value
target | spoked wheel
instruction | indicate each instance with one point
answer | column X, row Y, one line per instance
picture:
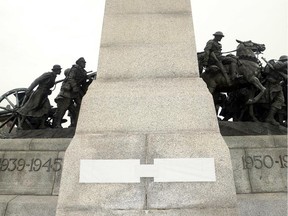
column 10, row 102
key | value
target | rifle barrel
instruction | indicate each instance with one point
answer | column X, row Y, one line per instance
column 89, row 73
column 268, row 63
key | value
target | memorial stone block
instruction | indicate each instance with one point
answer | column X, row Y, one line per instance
column 148, row 103
column 267, row 169
column 28, row 172
column 241, row 175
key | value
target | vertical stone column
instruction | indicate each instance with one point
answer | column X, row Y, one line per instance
column 148, row 102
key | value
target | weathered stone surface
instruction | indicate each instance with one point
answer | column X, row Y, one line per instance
column 193, row 194
column 265, row 204
column 249, row 204
column 16, row 145
column 58, row 175
column 261, row 141
column 54, row 144
column 268, row 173
column 142, row 56
column 45, row 144
column 259, row 163
column 98, row 196
column 280, row 140
column 4, row 200
column 147, row 7
column 170, row 212
column 159, row 32
column 147, row 39
column 147, row 106
column 241, row 176
column 25, row 174
column 32, row 206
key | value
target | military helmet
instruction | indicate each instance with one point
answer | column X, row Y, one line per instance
column 218, row 33
column 80, row 60
column 66, row 72
column 283, row 58
column 56, row 67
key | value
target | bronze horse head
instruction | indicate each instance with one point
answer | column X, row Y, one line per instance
column 249, row 48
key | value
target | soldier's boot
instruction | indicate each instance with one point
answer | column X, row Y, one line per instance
column 270, row 118
column 72, row 115
column 57, row 121
column 42, row 123
column 57, row 125
column 73, row 122
column 75, row 115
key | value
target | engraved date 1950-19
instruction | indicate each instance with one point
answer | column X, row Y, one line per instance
column 263, row 161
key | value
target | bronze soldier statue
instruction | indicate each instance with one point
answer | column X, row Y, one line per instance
column 213, row 56
column 36, row 103
column 275, row 73
column 71, row 93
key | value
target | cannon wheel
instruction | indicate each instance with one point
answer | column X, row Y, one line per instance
column 10, row 102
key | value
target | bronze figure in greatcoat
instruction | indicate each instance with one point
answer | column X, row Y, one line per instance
column 36, row 103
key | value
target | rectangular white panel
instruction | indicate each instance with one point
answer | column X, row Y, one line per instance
column 108, row 171
column 163, row 170
column 185, row 170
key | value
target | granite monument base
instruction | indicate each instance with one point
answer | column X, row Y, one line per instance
column 147, row 197
column 260, row 191
column 166, row 124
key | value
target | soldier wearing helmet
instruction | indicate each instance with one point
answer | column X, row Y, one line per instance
column 275, row 73
column 72, row 90
column 283, row 58
column 213, row 56
column 36, row 103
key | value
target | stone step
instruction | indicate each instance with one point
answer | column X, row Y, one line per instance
column 264, row 204
column 12, row 205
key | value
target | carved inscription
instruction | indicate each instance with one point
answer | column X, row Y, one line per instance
column 31, row 165
column 264, row 161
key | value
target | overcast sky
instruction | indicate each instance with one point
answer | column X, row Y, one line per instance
column 36, row 34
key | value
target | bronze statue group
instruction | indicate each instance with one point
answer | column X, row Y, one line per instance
column 241, row 86
column 37, row 112
column 244, row 88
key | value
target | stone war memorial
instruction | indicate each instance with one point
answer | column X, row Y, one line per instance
column 147, row 140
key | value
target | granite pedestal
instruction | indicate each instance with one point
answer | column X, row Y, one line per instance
column 147, row 102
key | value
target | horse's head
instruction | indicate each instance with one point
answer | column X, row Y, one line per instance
column 249, row 47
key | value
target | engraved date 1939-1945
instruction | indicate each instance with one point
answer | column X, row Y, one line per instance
column 30, row 165
column 263, row 161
